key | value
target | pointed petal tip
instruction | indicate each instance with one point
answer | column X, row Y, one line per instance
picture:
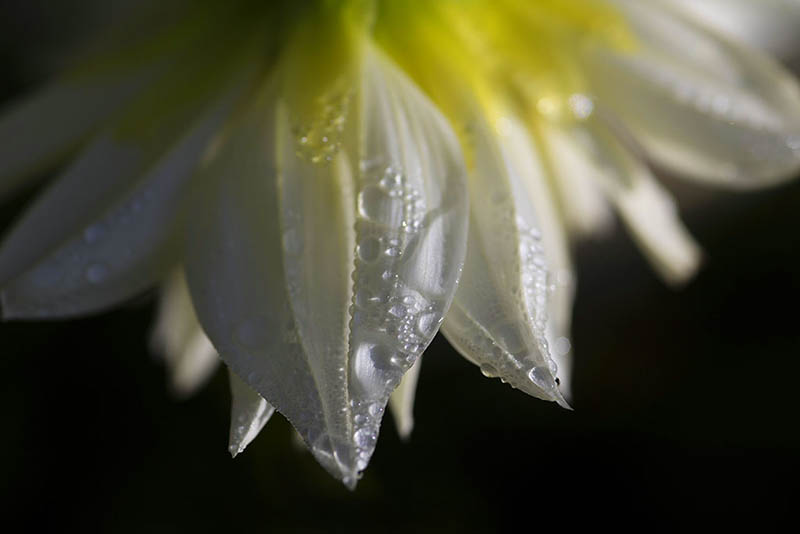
column 561, row 401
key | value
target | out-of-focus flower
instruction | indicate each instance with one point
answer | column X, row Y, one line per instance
column 338, row 179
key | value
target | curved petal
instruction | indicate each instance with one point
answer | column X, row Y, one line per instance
column 700, row 105
column 402, row 401
column 249, row 414
column 178, row 337
column 108, row 228
column 44, row 127
column 498, row 318
column 322, row 307
column 646, row 208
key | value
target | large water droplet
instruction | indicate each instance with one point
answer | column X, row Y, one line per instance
column 541, row 376
column 369, row 249
column 374, row 204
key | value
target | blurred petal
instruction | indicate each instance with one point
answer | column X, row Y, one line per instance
column 646, row 208
column 249, row 414
column 498, row 318
column 179, row 338
column 586, row 210
column 108, row 228
column 402, row 401
column 771, row 25
column 322, row 342
column 721, row 113
column 44, row 127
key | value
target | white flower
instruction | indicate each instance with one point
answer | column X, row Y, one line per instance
column 339, row 179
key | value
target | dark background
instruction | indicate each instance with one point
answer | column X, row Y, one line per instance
column 685, row 406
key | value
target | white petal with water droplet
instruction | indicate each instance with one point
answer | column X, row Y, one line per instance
column 701, row 106
column 498, row 318
column 249, row 413
column 236, row 276
column 410, row 233
column 322, row 307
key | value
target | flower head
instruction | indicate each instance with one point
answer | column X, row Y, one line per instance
column 334, row 181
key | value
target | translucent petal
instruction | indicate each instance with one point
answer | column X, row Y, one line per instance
column 108, row 228
column 312, row 308
column 195, row 366
column 563, row 170
column 44, row 127
column 177, row 335
column 175, row 318
column 410, row 235
column 701, row 106
column 249, row 413
column 498, row 318
column 768, row 24
column 402, row 401
column 585, row 208
column 645, row 207
column 235, row 272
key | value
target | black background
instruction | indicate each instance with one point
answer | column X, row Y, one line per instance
column 685, row 406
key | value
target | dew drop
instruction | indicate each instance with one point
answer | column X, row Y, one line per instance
column 365, row 438
column 93, row 234
column 97, row 273
column 369, row 249
column 374, row 204
column 541, row 377
column 488, row 371
column 375, row 409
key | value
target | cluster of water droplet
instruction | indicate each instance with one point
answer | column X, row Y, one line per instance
column 321, row 139
column 391, row 322
column 536, row 289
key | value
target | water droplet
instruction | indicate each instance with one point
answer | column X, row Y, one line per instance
column 369, row 249
column 541, row 376
column 581, row 105
column 376, row 205
column 561, row 346
column 488, row 370
column 93, row 233
column 97, row 273
column 365, row 438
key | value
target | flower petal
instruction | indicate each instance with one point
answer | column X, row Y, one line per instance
column 323, row 308
column 645, row 207
column 108, row 228
column 236, row 277
column 498, row 318
column 768, row 24
column 402, row 401
column 44, row 127
column 177, row 335
column 700, row 105
column 249, row 413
